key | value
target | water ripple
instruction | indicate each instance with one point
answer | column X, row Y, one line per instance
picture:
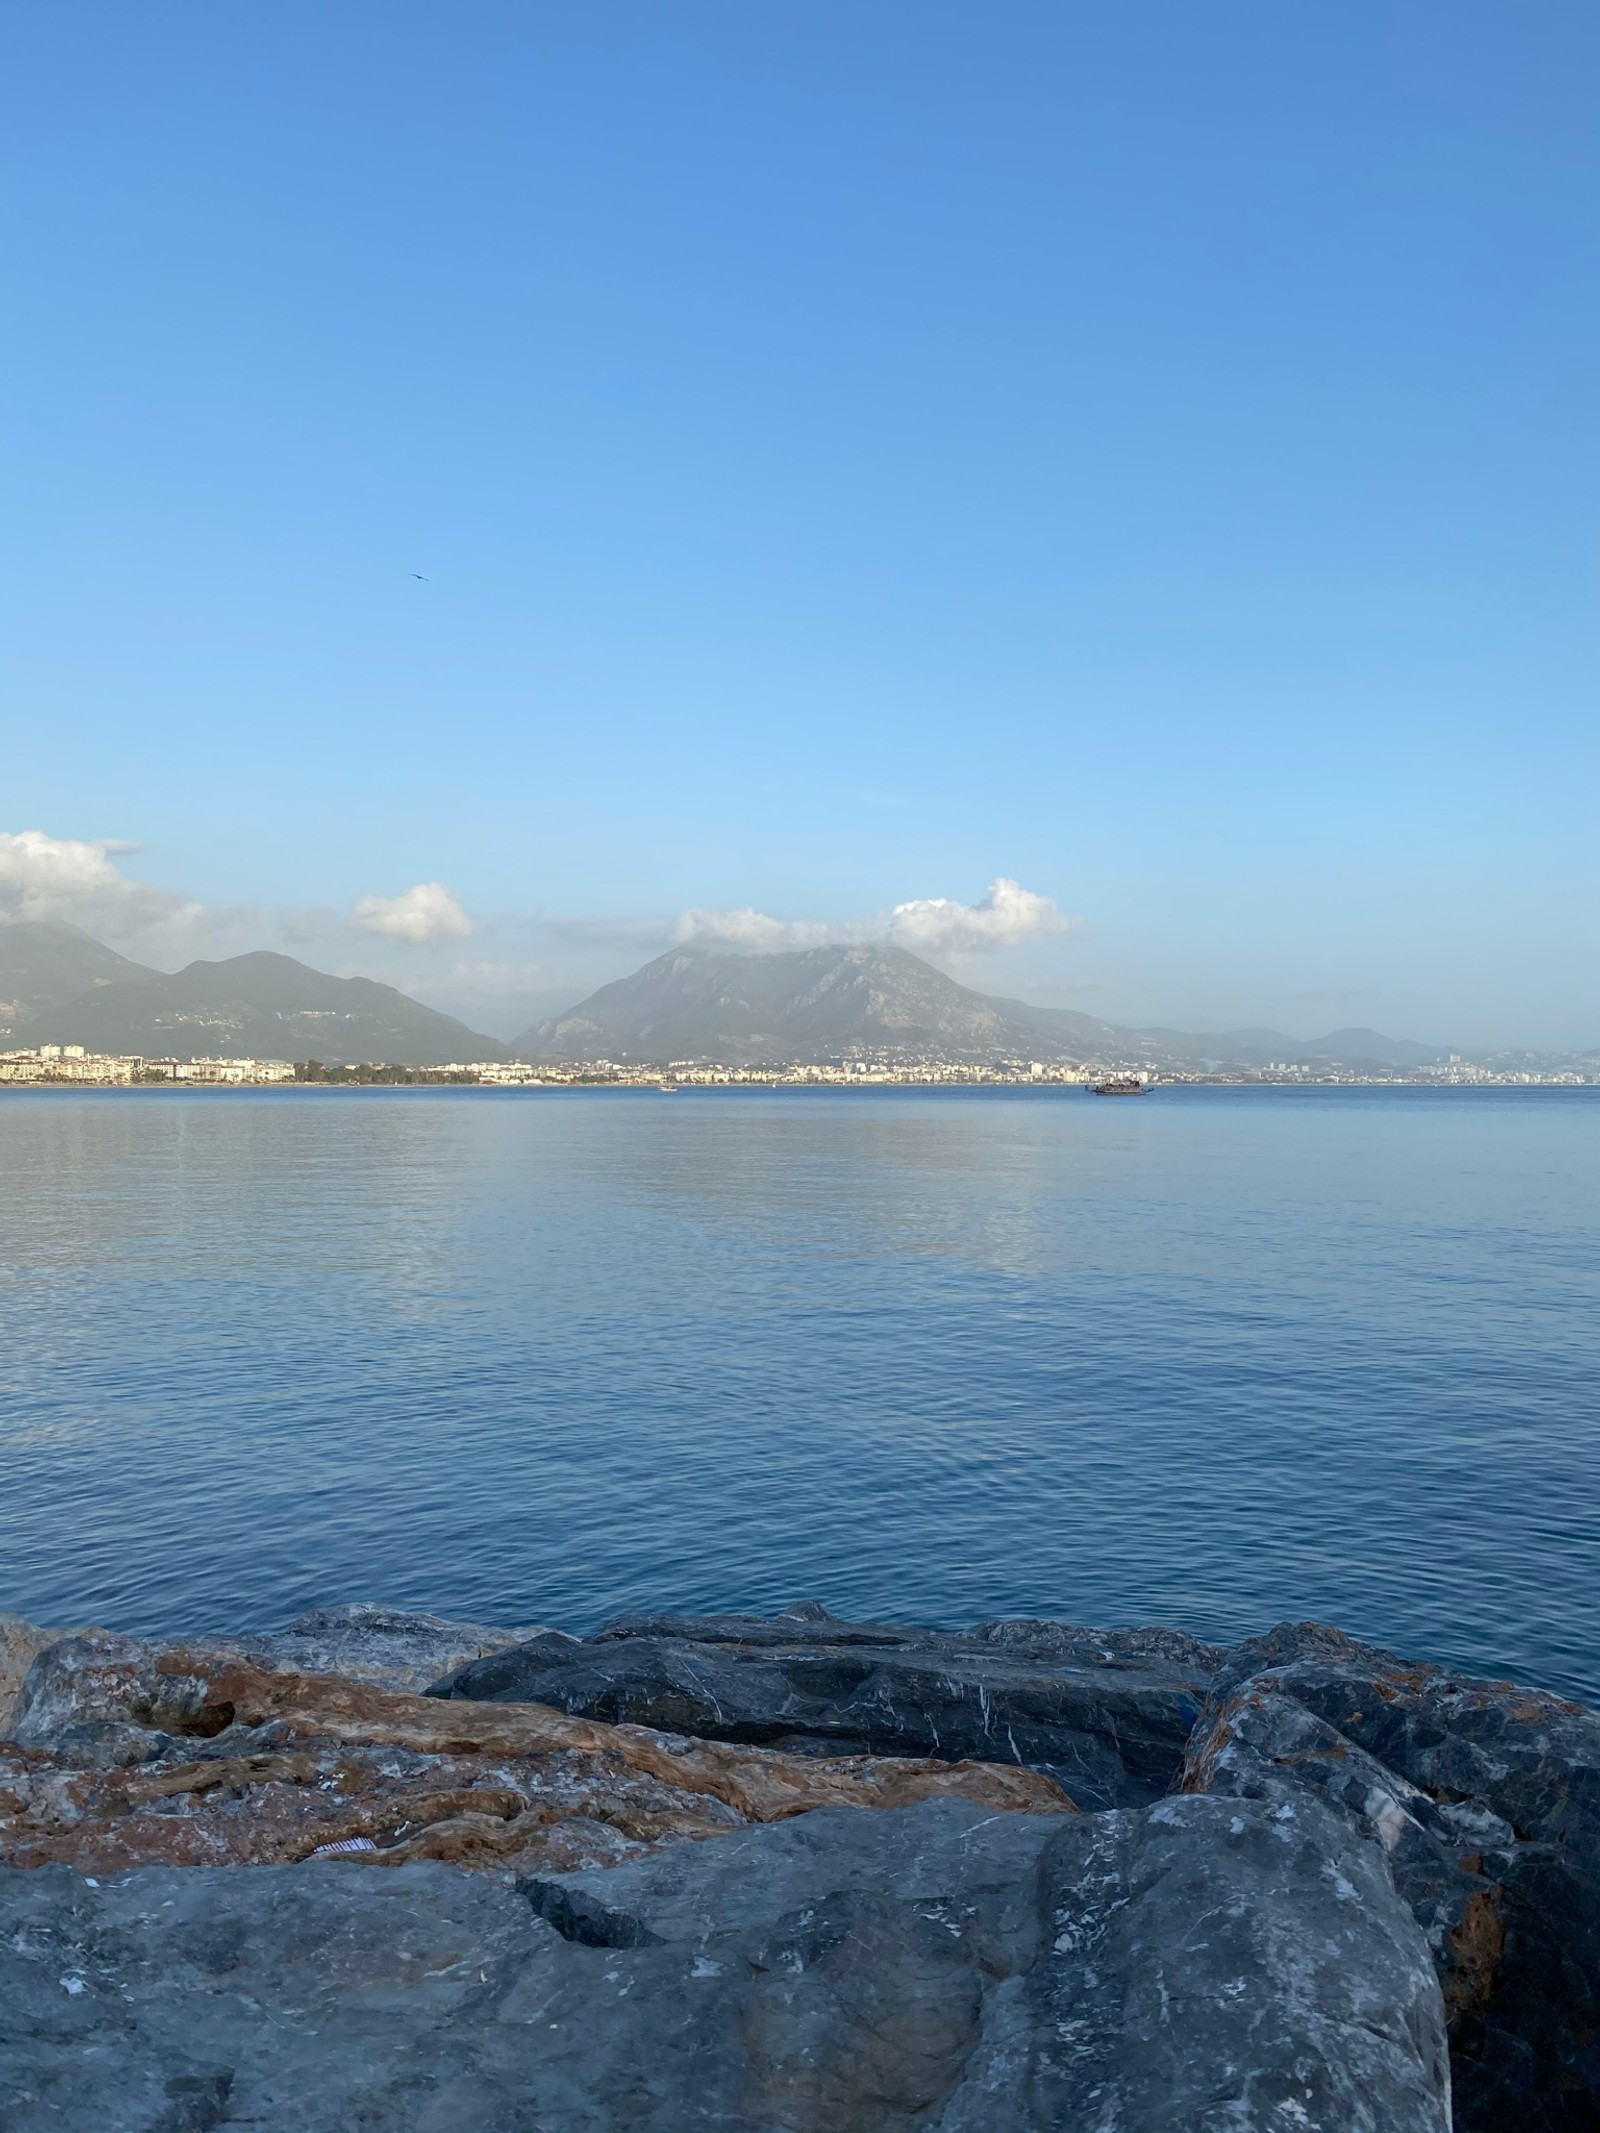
column 1215, row 1359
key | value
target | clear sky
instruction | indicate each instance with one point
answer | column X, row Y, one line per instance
column 852, row 453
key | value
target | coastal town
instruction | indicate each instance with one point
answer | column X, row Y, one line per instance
column 52, row 1065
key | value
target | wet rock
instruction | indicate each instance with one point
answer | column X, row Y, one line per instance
column 1107, row 1714
column 1487, row 1797
column 1205, row 1965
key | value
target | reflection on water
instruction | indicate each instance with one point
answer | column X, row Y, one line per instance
column 1215, row 1358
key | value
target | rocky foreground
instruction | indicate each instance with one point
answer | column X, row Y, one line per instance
column 788, row 1875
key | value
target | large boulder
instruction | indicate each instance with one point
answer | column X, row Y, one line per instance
column 1486, row 1798
column 1215, row 1966
column 1107, row 1714
column 1205, row 1966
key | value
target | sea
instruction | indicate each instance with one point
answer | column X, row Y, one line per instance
column 1212, row 1357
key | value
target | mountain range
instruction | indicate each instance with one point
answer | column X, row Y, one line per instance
column 58, row 986
column 816, row 1003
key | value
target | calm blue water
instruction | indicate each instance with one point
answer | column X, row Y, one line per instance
column 1213, row 1358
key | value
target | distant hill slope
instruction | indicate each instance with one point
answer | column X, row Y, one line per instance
column 260, row 1006
column 817, row 1003
column 44, row 963
column 1237, row 1047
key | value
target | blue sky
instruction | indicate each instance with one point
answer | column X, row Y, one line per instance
column 853, row 453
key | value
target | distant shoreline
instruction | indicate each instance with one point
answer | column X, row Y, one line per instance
column 775, row 1087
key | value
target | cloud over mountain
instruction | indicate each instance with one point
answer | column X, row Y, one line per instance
column 425, row 912
column 504, row 968
column 1005, row 915
column 77, row 879
column 746, row 928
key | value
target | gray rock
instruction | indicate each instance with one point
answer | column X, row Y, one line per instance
column 389, row 1646
column 21, row 1642
column 1106, row 1714
column 828, row 1980
column 1505, row 1782
column 75, row 1696
column 1033, row 1639
column 1206, row 1964
column 1225, row 1966
column 319, row 1997
column 1264, row 1746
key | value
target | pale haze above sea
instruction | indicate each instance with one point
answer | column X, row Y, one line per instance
column 1209, row 1357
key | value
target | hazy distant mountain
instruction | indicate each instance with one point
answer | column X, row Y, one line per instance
column 1368, row 1044
column 1266, row 1047
column 58, row 986
column 807, row 1003
column 44, row 963
column 817, row 1003
column 260, row 1006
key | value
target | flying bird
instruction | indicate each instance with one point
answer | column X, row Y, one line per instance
column 418, row 575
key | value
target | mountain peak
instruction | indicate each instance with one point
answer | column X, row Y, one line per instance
column 744, row 1008
column 700, row 1001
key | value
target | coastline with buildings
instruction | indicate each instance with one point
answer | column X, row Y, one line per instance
column 72, row 1065
column 841, row 1016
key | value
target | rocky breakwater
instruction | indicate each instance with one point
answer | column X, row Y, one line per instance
column 788, row 1873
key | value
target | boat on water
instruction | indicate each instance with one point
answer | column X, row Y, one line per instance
column 1120, row 1085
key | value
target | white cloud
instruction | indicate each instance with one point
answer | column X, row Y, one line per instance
column 426, row 912
column 74, row 878
column 517, row 956
column 1007, row 914
column 745, row 928
column 931, row 925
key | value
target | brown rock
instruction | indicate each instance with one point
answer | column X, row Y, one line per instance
column 137, row 1755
